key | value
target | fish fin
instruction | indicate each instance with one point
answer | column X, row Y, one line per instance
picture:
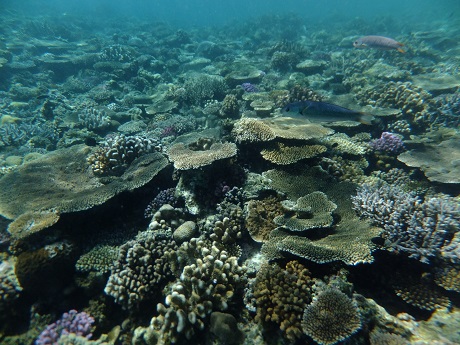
column 401, row 50
column 366, row 119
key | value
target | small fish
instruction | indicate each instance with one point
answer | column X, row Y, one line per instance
column 378, row 42
column 325, row 112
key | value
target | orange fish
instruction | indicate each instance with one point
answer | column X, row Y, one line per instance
column 378, row 42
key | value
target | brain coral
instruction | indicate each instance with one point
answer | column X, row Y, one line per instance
column 332, row 317
column 185, row 158
column 59, row 182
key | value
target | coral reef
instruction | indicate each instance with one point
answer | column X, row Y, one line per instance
column 284, row 154
column 10, row 289
column 260, row 215
column 69, row 187
column 99, row 259
column 94, row 119
column 311, row 211
column 331, row 317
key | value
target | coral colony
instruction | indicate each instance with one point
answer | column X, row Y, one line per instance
column 71, row 322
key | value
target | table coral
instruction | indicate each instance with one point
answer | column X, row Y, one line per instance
column 284, row 154
column 311, row 211
column 185, row 158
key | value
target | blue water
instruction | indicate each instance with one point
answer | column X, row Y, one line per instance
column 423, row 13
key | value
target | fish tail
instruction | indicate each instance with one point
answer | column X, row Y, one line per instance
column 366, row 119
column 401, row 50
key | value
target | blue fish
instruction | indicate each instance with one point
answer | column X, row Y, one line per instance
column 325, row 112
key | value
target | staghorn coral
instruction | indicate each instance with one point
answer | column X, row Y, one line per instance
column 204, row 286
column 99, row 259
column 332, row 317
column 63, row 177
column 424, row 230
column 185, row 158
column 311, row 211
column 281, row 296
column 118, row 151
column 260, row 214
column 143, row 266
column 284, row 154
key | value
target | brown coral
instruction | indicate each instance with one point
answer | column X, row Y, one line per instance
column 260, row 214
column 281, row 296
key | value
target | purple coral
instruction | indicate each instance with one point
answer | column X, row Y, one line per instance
column 166, row 196
column 389, row 143
column 71, row 322
column 248, row 87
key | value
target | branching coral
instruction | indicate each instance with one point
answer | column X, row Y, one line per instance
column 143, row 265
column 204, row 286
column 118, row 151
column 424, row 230
column 282, row 295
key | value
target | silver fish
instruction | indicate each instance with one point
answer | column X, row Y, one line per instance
column 378, row 42
column 325, row 112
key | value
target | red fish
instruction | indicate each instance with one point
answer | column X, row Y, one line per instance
column 378, row 42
